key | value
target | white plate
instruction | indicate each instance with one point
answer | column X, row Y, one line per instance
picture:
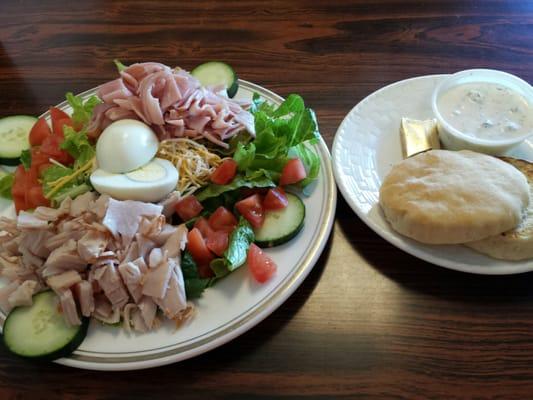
column 232, row 306
column 367, row 145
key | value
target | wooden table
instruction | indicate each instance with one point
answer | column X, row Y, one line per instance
column 370, row 320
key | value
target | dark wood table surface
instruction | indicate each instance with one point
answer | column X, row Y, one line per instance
column 370, row 321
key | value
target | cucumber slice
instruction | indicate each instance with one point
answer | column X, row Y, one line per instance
column 14, row 133
column 280, row 226
column 215, row 73
column 39, row 331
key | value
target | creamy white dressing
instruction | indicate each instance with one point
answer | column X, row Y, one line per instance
column 486, row 110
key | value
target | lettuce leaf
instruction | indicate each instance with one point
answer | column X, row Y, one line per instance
column 256, row 179
column 78, row 146
column 72, row 189
column 6, row 182
column 25, row 159
column 239, row 242
column 237, row 251
column 82, row 111
column 282, row 133
column 194, row 285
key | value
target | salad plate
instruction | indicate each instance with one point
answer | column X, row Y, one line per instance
column 233, row 305
column 367, row 145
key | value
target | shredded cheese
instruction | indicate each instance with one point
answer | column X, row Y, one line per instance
column 194, row 162
column 56, row 185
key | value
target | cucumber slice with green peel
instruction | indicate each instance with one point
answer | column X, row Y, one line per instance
column 216, row 73
column 14, row 133
column 39, row 331
column 280, row 226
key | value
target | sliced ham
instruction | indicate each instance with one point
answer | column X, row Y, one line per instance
column 104, row 258
column 5, row 293
column 132, row 275
column 109, row 280
column 103, row 310
column 68, row 307
column 148, row 310
column 35, row 242
column 22, row 296
column 63, row 258
column 84, row 295
column 176, row 242
column 157, row 257
column 91, row 245
column 175, row 299
column 173, row 102
column 28, row 220
column 122, row 218
column 81, row 204
column 63, row 280
column 156, row 280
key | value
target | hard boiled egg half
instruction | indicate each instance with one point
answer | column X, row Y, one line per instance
column 127, row 169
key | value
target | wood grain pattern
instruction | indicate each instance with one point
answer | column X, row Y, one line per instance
column 370, row 321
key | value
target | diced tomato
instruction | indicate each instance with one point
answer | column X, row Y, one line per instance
column 39, row 132
column 18, row 190
column 203, row 226
column 35, row 197
column 19, row 183
column 225, row 172
column 222, row 220
column 20, row 203
column 217, row 242
column 59, row 118
column 293, row 172
column 252, row 209
column 275, row 199
column 50, row 147
column 261, row 265
column 246, row 192
column 188, row 207
column 197, row 247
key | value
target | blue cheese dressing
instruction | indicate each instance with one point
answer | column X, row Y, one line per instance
column 486, row 110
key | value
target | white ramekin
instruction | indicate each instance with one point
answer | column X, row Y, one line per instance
column 452, row 138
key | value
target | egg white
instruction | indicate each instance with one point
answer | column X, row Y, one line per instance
column 150, row 183
column 125, row 145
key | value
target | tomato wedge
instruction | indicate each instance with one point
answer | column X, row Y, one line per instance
column 222, row 220
column 225, row 172
column 51, row 147
column 217, row 242
column 275, row 199
column 39, row 132
column 251, row 208
column 203, row 226
column 197, row 247
column 293, row 172
column 18, row 190
column 59, row 118
column 35, row 197
column 188, row 207
column 261, row 265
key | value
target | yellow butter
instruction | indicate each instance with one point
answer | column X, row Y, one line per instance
column 418, row 136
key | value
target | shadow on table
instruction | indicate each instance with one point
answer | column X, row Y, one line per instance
column 422, row 277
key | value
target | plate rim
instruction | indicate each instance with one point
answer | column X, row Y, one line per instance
column 259, row 311
column 392, row 237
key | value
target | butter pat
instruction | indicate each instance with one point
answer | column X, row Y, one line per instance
column 418, row 136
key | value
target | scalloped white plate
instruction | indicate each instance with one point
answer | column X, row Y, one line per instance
column 367, row 145
column 233, row 305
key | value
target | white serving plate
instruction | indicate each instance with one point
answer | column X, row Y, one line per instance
column 367, row 145
column 233, row 305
